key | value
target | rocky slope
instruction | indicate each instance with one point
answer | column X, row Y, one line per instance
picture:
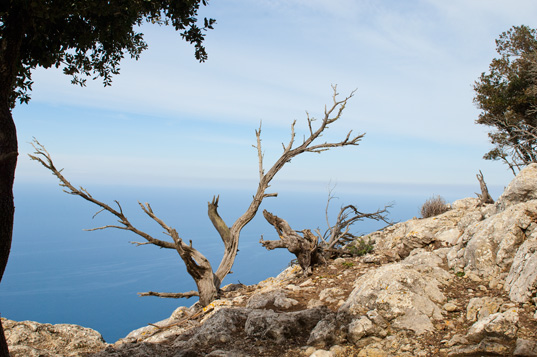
column 460, row 284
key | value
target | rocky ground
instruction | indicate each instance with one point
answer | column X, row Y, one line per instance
column 463, row 283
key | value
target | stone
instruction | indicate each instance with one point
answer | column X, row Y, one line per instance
column 339, row 261
column 525, row 348
column 359, row 328
column 488, row 248
column 487, row 347
column 219, row 327
column 479, row 308
column 457, row 339
column 451, row 307
column 326, row 332
column 415, row 321
column 402, row 238
column 521, row 189
column 331, row 295
column 465, row 203
column 222, row 353
column 498, row 325
column 267, row 324
column 322, row 353
column 30, row 338
column 522, row 278
column 372, row 351
column 396, row 290
column 269, row 299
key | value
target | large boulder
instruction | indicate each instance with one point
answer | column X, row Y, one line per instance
column 29, row 338
column 267, row 324
column 400, row 293
column 489, row 246
column 523, row 188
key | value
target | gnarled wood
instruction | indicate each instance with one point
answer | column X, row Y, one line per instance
column 304, row 247
column 310, row 249
column 186, row 295
column 197, row 265
column 484, row 196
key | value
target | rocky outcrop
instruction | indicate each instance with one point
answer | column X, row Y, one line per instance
column 463, row 283
column 405, row 294
column 29, row 339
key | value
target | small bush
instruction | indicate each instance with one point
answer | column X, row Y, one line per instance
column 434, row 206
column 361, row 247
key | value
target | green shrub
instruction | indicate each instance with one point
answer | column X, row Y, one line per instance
column 360, row 247
column 434, row 206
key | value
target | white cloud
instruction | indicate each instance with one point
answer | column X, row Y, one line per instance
column 413, row 63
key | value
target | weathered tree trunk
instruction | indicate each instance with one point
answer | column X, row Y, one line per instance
column 484, row 196
column 197, row 265
column 304, row 248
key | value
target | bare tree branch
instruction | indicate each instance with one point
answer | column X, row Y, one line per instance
column 43, row 157
column 197, row 265
column 310, row 249
column 186, row 295
column 484, row 197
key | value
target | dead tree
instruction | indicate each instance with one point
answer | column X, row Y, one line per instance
column 337, row 236
column 484, row 197
column 305, row 247
column 311, row 249
column 207, row 280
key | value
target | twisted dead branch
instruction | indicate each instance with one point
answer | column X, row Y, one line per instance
column 311, row 249
column 198, row 266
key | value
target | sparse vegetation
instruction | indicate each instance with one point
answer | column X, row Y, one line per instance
column 361, row 247
column 434, row 206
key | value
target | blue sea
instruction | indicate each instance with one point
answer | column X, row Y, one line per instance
column 59, row 273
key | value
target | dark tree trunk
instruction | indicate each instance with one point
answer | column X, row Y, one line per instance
column 8, row 162
column 10, row 46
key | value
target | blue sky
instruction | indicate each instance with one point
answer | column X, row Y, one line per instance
column 170, row 121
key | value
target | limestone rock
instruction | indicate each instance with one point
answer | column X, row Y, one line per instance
column 398, row 292
column 487, row 347
column 331, row 295
column 271, row 298
column 522, row 279
column 359, row 328
column 525, row 348
column 327, row 331
column 402, row 238
column 521, row 189
column 322, row 353
column 498, row 325
column 451, row 307
column 479, row 308
column 267, row 324
column 29, row 338
column 489, row 246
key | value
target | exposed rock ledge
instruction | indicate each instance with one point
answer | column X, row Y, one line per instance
column 460, row 284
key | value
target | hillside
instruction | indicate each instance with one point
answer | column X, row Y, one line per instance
column 463, row 283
